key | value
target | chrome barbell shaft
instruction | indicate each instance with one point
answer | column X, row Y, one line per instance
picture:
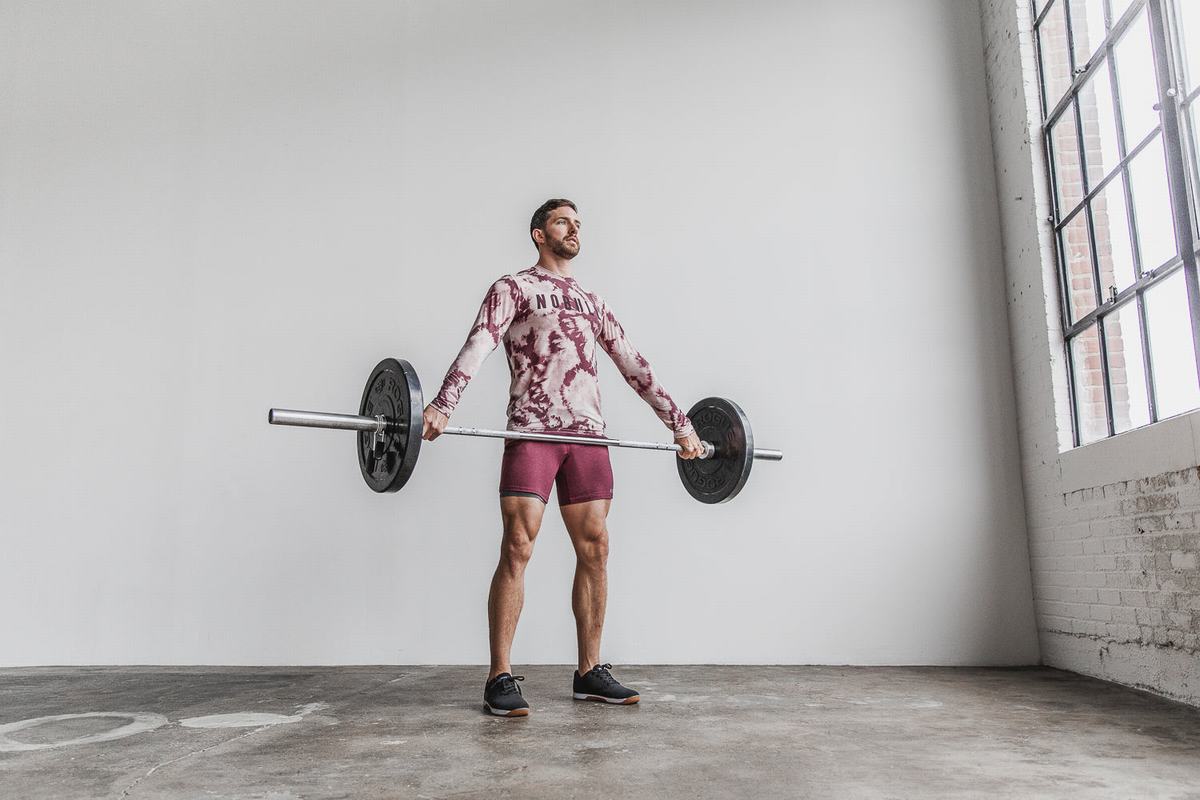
column 555, row 437
column 764, row 454
column 357, row 422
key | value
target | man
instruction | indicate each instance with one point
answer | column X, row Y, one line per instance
column 550, row 328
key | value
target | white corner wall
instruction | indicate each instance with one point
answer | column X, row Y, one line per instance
column 207, row 209
column 1114, row 527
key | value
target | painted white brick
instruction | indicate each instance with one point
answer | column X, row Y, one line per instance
column 1049, row 593
column 1124, row 632
column 1133, row 600
column 1079, row 530
column 1183, row 561
column 1124, row 615
column 1076, row 610
column 1051, row 608
column 1082, row 595
column 1117, row 580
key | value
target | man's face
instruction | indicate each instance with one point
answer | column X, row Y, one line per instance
column 562, row 232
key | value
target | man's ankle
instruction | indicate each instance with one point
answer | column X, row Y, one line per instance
column 499, row 671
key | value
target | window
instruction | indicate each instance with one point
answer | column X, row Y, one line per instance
column 1120, row 81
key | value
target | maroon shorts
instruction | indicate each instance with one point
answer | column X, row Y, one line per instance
column 581, row 471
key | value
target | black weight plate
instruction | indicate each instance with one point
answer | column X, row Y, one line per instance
column 394, row 391
column 719, row 479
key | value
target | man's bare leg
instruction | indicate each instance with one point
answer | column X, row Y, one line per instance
column 522, row 518
column 589, row 596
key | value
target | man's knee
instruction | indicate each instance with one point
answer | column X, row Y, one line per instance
column 592, row 547
column 516, row 550
column 517, row 546
column 521, row 524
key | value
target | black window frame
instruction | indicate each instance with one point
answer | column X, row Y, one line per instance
column 1182, row 179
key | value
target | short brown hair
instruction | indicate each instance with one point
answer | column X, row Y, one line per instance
column 543, row 213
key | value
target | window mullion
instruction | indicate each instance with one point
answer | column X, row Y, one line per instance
column 1148, row 279
column 1105, row 376
column 1151, row 397
column 1187, row 124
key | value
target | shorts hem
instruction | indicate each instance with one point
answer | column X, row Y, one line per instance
column 517, row 491
column 585, row 498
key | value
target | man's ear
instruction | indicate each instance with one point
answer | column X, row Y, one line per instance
column 539, row 236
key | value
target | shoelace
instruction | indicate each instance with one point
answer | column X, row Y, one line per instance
column 602, row 672
column 507, row 684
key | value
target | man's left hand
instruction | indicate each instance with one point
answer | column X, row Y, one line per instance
column 691, row 446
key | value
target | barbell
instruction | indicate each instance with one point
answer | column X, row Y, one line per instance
column 390, row 420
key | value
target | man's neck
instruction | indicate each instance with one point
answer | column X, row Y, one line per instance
column 552, row 263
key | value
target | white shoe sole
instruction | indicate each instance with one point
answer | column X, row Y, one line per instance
column 500, row 712
column 628, row 701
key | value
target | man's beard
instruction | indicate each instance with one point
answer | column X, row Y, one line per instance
column 563, row 249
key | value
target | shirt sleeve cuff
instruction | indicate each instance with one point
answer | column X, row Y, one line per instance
column 686, row 430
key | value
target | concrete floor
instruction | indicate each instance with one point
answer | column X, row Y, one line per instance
column 699, row 732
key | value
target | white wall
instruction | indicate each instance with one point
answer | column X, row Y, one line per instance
column 1114, row 526
column 212, row 208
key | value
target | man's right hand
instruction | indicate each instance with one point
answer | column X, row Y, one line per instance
column 434, row 423
column 691, row 444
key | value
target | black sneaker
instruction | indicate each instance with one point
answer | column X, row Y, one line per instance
column 503, row 697
column 599, row 684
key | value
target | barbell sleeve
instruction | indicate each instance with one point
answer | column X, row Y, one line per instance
column 321, row 419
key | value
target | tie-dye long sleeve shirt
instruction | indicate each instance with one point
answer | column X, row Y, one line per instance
column 550, row 328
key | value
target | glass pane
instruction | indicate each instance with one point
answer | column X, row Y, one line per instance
column 1171, row 354
column 1087, row 28
column 1114, row 249
column 1056, row 62
column 1152, row 206
column 1135, row 80
column 1077, row 256
column 1189, row 22
column 1099, row 126
column 1064, row 149
column 1089, row 385
column 1126, row 369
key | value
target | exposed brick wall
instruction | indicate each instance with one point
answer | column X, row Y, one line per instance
column 1113, row 565
column 1122, row 565
column 1089, row 375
